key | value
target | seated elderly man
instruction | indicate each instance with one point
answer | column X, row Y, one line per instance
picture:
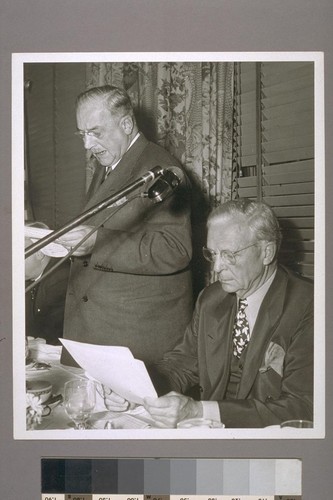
column 249, row 346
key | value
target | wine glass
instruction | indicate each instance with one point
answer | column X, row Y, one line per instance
column 79, row 401
column 298, row 424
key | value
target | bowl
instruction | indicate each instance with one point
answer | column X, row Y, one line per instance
column 40, row 388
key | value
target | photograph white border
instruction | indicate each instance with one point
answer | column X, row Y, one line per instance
column 18, row 317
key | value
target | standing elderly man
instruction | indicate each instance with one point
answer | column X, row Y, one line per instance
column 130, row 281
column 249, row 345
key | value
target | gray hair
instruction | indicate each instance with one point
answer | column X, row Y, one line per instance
column 258, row 216
column 116, row 99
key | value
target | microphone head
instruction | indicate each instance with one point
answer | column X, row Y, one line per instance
column 160, row 190
column 164, row 186
column 174, row 173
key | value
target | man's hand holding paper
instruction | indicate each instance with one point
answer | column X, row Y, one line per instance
column 72, row 238
column 170, row 409
column 114, row 402
column 33, row 233
column 115, row 368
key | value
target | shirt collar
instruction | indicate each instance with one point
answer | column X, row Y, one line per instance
column 115, row 164
column 255, row 300
column 260, row 293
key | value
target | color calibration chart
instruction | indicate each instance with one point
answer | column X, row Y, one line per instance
column 171, row 479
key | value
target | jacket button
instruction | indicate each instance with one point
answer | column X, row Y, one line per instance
column 200, row 388
column 85, row 263
column 85, row 298
column 241, row 366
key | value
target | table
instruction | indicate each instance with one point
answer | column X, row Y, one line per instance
column 57, row 374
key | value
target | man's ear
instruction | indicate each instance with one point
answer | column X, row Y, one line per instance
column 127, row 124
column 269, row 252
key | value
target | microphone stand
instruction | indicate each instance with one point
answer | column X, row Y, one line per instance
column 72, row 250
column 152, row 174
column 161, row 189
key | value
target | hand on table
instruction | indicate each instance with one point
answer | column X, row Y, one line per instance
column 170, row 409
column 73, row 237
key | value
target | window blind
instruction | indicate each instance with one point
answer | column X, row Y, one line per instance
column 273, row 149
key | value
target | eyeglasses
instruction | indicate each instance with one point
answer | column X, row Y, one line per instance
column 90, row 133
column 226, row 255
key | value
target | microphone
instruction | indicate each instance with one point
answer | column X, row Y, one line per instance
column 172, row 177
column 169, row 180
column 152, row 174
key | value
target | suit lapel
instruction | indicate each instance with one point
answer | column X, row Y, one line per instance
column 96, row 181
column 120, row 177
column 219, row 339
column 269, row 314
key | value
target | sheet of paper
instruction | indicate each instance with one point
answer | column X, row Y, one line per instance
column 52, row 249
column 114, row 367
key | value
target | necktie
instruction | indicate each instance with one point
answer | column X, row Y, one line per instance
column 107, row 171
column 241, row 330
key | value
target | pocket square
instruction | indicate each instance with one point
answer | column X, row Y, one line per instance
column 274, row 358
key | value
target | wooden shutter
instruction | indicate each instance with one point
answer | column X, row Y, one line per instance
column 274, row 150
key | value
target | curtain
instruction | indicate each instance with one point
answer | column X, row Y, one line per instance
column 187, row 108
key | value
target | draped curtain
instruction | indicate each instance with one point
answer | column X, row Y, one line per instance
column 187, row 108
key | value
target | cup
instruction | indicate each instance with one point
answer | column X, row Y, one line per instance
column 206, row 423
column 297, row 424
column 40, row 388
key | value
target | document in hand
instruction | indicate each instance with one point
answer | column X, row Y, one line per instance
column 52, row 249
column 115, row 367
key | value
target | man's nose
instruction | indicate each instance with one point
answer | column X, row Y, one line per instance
column 88, row 141
column 219, row 264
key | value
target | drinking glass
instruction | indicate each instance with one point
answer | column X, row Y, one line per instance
column 199, row 422
column 298, row 424
column 79, row 401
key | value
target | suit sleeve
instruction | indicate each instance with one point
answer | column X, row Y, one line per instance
column 155, row 239
column 295, row 397
column 178, row 370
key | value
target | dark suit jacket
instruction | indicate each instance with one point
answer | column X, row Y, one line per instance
column 45, row 305
column 135, row 289
column 277, row 376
